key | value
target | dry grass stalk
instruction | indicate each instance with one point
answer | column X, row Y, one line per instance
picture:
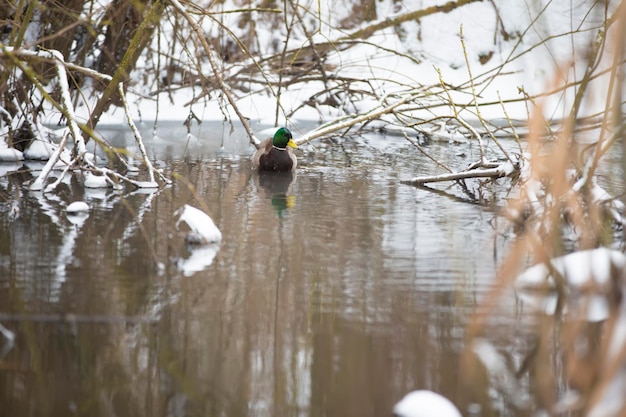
column 576, row 365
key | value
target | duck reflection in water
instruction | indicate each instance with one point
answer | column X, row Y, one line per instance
column 278, row 186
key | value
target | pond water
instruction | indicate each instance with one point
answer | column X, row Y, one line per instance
column 332, row 293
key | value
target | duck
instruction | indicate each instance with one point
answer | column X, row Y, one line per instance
column 425, row 403
column 274, row 154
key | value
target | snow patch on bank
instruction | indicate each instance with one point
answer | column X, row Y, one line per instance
column 523, row 36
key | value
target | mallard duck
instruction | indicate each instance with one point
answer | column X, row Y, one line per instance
column 274, row 153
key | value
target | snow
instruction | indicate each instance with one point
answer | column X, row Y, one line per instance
column 507, row 168
column 77, row 207
column 424, row 403
column 40, row 150
column 535, row 56
column 588, row 274
column 95, row 181
column 579, row 269
column 202, row 240
column 200, row 225
column 146, row 184
column 593, row 308
column 8, row 154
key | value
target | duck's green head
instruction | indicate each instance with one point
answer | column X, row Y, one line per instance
column 283, row 138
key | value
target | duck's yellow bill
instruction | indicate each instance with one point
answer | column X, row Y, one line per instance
column 292, row 144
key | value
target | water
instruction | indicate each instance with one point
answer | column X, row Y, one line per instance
column 333, row 293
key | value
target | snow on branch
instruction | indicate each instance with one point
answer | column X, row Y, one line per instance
column 80, row 157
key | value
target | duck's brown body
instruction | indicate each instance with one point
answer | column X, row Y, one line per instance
column 270, row 158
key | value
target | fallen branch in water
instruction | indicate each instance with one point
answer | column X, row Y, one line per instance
column 478, row 170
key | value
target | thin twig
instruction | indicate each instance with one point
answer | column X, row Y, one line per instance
column 218, row 74
column 139, row 141
column 426, row 154
column 351, row 121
